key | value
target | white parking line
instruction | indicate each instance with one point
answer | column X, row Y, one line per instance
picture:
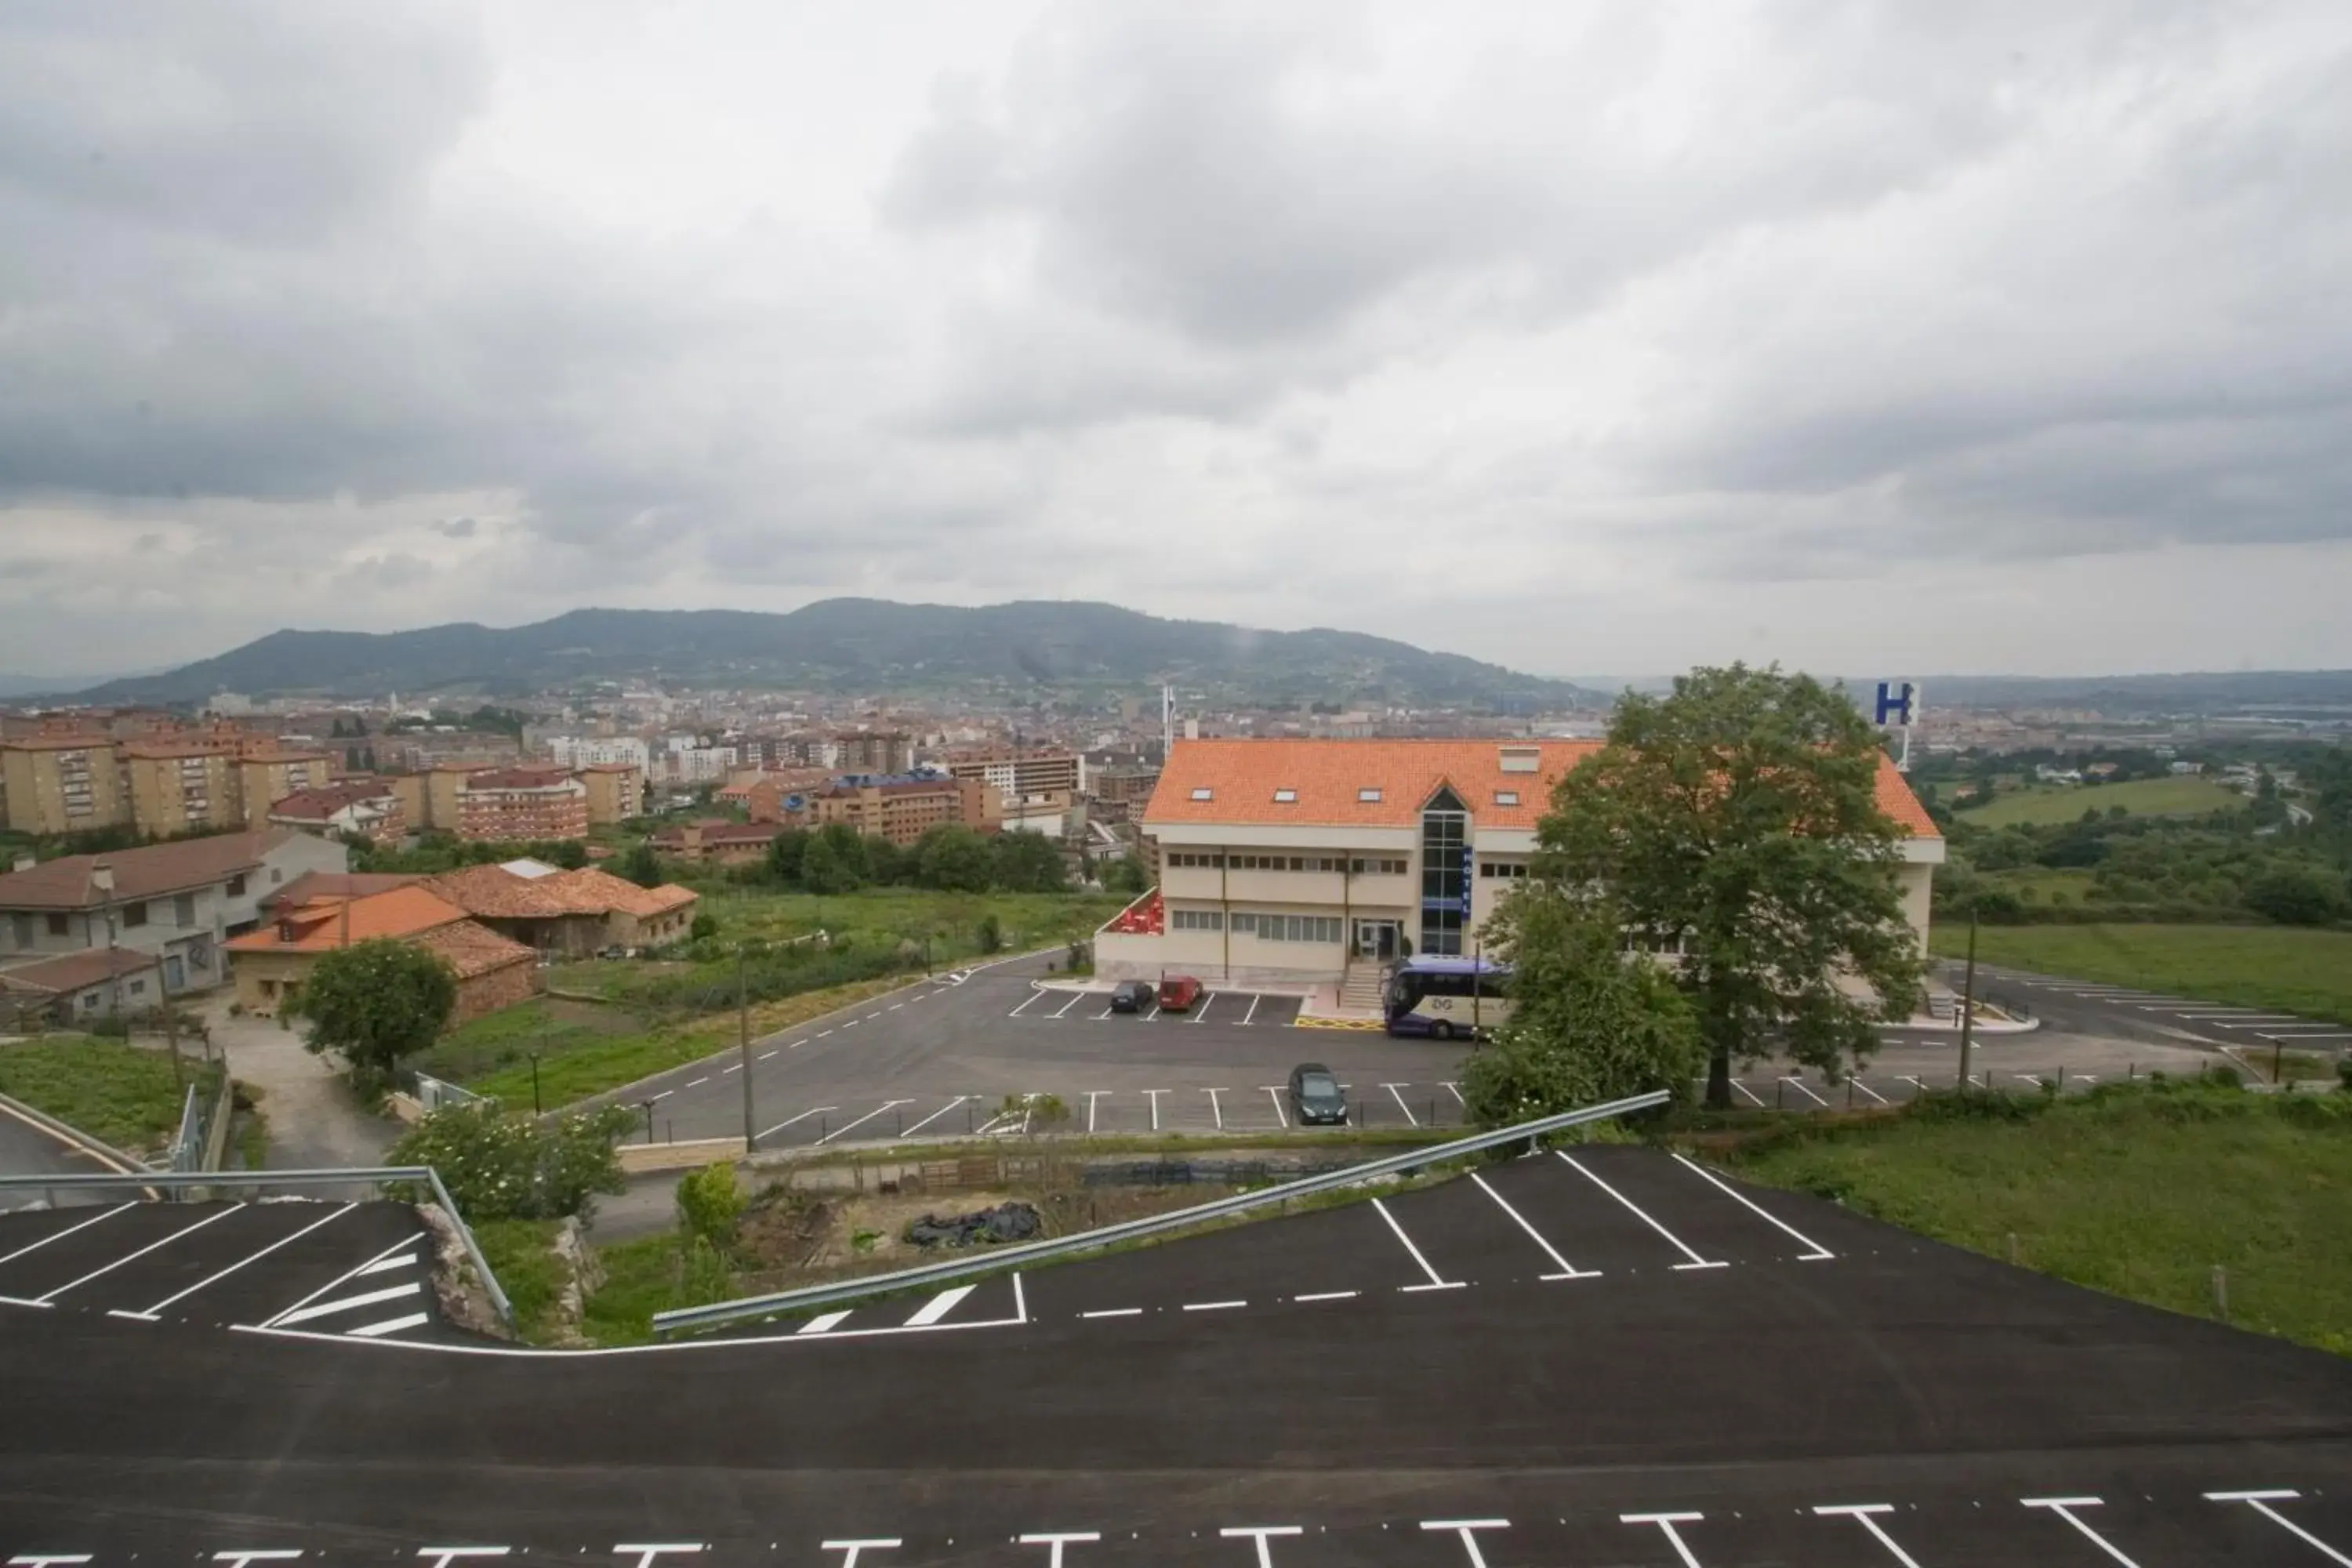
column 389, row 1326
column 1093, row 1095
column 731, row 1067
column 1695, row 1260
column 1273, row 1092
column 1860, row 1513
column 1735, row 1196
column 1101, row 1015
column 940, row 1306
column 1075, row 997
column 61, row 1235
column 1155, row 1094
column 1665, row 1523
column 935, row 1115
column 1913, row 1081
column 385, row 1266
column 1201, row 1011
column 2306, row 1034
column 1800, row 1085
column 1255, row 1000
column 1748, row 1092
column 1114, row 1312
column 824, row 1322
column 1436, row 1282
column 1567, row 1270
column 1455, row 1090
column 1870, row 1091
column 1409, row 1115
column 887, row 1105
column 2026, row 1078
column 1153, row 1014
column 1025, row 1005
column 403, row 1245
column 1216, row 1110
column 111, row 1267
column 1213, row 1306
column 249, row 1258
column 1328, row 1296
column 803, row 1116
column 2063, row 1506
column 345, row 1304
column 2259, row 1502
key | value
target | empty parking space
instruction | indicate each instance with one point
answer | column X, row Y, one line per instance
column 1220, row 1009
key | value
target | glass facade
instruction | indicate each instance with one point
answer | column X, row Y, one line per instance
column 1445, row 875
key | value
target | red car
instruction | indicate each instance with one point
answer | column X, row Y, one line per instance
column 1178, row 991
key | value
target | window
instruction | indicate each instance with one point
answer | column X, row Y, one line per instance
column 1379, row 867
column 1507, row 797
column 1369, row 797
column 1195, row 920
column 1204, row 792
column 1444, row 874
column 20, row 929
column 237, row 886
column 276, row 876
column 58, row 925
column 137, row 988
column 1506, row 868
column 89, row 1000
column 184, row 909
column 134, row 914
column 1244, row 925
column 1284, row 796
column 1298, row 928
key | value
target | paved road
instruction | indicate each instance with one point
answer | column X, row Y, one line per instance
column 2126, row 1013
column 1617, row 1360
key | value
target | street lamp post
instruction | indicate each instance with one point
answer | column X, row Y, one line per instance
column 1969, row 1001
column 536, row 1110
column 743, row 1036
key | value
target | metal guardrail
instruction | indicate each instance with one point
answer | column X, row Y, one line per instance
column 1003, row 1258
column 371, row 1175
column 64, row 1131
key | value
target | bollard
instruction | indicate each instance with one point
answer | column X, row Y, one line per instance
column 2278, row 1050
column 1849, row 1092
column 1780, row 1093
column 2062, row 1077
column 967, row 1118
column 2220, row 1293
column 2011, row 1248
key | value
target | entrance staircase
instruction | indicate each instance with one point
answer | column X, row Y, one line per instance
column 1359, row 988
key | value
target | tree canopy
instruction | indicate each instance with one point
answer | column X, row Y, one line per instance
column 1736, row 820
column 373, row 1003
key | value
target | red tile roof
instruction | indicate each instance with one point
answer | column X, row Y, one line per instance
column 327, row 923
column 474, row 950
column 320, row 804
column 76, row 971
column 495, row 893
column 142, row 873
column 313, row 886
column 1326, row 779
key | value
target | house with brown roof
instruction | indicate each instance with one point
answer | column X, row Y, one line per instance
column 179, row 901
column 271, row 964
column 93, row 984
column 360, row 809
column 1300, row 860
column 570, row 913
column 718, row 841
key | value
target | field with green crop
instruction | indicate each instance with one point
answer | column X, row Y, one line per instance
column 2044, row 803
column 2301, row 970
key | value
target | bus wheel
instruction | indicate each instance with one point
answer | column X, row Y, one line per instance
column 1443, row 1029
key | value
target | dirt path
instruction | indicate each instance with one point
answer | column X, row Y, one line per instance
column 314, row 1124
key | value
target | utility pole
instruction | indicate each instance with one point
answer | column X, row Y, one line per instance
column 171, row 1026
column 743, row 1032
column 1969, row 1001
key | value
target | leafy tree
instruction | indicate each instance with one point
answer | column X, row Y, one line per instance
column 570, row 854
column 784, row 854
column 1029, row 863
column 499, row 1165
column 1124, row 875
column 991, row 935
column 2297, row 896
column 835, row 861
column 1588, row 1022
column 642, row 866
column 954, row 858
column 704, row 925
column 709, row 1205
column 1738, row 818
column 374, row 1002
column 886, row 865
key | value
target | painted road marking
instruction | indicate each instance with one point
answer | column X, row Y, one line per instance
column 111, row 1267
column 1213, row 1306
column 1101, row 1015
column 1455, row 1090
column 1567, row 1270
column 249, row 1258
column 1748, row 1092
column 1467, row 1529
column 1436, row 1282
column 1273, row 1092
column 345, row 1304
column 1392, row 1088
column 1255, row 1000
column 940, row 1306
column 824, row 1322
column 1735, row 1196
column 2064, row 1508
column 2308, row 1035
column 1216, row 1110
column 1153, row 1014
column 854, row 1022
column 1031, row 1001
column 1075, row 997
column 1054, row 1541
column 850, row 1548
column 1114, row 1312
column 664, row 1094
column 61, row 1235
column 803, row 1116
column 1259, row 1532
column 1800, row 1085
column 403, row 1245
column 765, row 1055
column 823, row 1033
column 697, row 1082
column 1202, row 1010
column 1870, row 1091
column 935, row 1115
column 894, row 1006
column 887, row 1105
column 1093, row 1097
column 1155, row 1094
column 1666, row 1522
column 1860, row 1513
column 1914, row 1082
column 1328, row 1296
column 389, row 1326
column 2259, row 1502
column 387, row 1266
column 1695, row 1260
column 734, row 1067
column 2026, row 1078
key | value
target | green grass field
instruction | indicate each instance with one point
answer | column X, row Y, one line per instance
column 118, row 1093
column 2138, row 1192
column 951, row 920
column 2046, row 803
column 2300, row 971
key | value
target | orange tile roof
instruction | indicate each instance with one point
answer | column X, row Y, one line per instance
column 495, row 893
column 327, row 923
column 1327, row 777
column 473, row 950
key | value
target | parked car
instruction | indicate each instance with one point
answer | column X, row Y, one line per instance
column 1316, row 1097
column 1178, row 991
column 1130, row 997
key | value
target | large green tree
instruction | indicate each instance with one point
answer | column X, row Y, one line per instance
column 373, row 1003
column 1737, row 820
column 1030, row 863
column 834, row 860
column 954, row 858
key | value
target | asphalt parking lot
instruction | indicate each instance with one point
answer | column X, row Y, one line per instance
column 1718, row 1375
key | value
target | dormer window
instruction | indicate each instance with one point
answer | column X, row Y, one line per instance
column 1521, row 759
column 1369, row 796
column 1204, row 792
column 1507, row 797
column 1284, row 796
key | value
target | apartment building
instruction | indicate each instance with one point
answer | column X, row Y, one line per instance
column 903, row 809
column 182, row 785
column 872, row 751
column 509, row 806
column 1290, row 861
column 616, row 791
column 1018, row 775
column 600, row 751
column 177, row 901
column 64, row 784
column 268, row 773
column 718, row 841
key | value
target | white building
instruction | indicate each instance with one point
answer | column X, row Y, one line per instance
column 600, row 751
column 1287, row 861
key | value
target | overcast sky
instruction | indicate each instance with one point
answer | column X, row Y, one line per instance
column 1587, row 338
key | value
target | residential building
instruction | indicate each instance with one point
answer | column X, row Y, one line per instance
column 420, row 751
column 430, row 797
column 96, row 983
column 601, row 751
column 63, row 783
column 801, row 749
column 616, row 791
column 780, row 798
column 268, row 773
column 716, row 840
column 508, row 805
column 1291, row 860
column 270, row 964
column 570, row 913
column 903, row 809
column 872, row 751
column 1017, row 775
column 182, row 785
column 179, row 901
column 355, row 810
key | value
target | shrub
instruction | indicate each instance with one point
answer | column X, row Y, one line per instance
column 501, row 1166
column 704, row 928
column 990, row 936
column 708, row 1206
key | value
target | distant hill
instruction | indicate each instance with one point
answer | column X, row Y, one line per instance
column 855, row 645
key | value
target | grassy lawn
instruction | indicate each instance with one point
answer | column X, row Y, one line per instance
column 2307, row 972
column 951, row 920
column 2046, row 803
column 2138, row 1192
column 116, row 1093
column 521, row 1253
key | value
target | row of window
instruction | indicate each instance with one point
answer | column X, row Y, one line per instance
column 1503, row 869
column 1359, row 866
column 1368, row 795
column 1266, row 927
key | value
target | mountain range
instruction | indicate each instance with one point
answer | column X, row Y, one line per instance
column 854, row 646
